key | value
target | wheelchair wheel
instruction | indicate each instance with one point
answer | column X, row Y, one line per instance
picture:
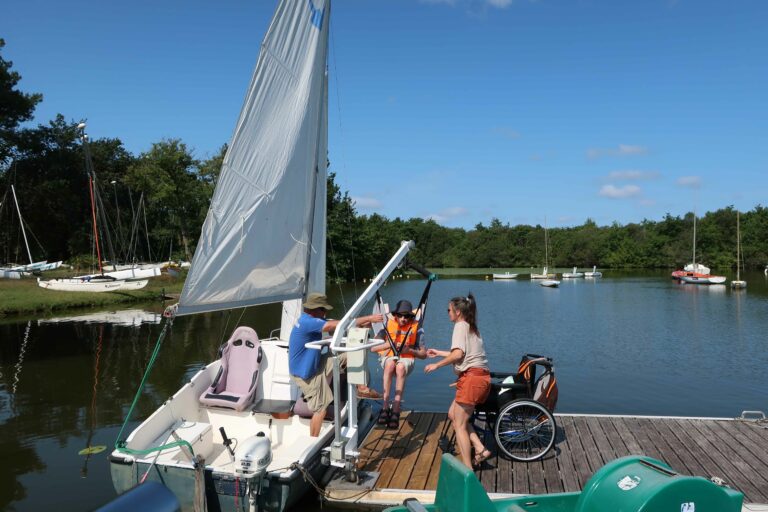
column 525, row 430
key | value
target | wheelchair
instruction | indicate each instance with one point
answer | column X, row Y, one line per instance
column 519, row 410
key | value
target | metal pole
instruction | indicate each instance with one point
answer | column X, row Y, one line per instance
column 21, row 221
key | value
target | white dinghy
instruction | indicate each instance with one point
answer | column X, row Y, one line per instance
column 573, row 275
column 505, row 275
column 237, row 434
column 94, row 285
column 594, row 273
column 549, row 283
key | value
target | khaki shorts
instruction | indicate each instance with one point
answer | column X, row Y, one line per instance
column 407, row 362
column 316, row 389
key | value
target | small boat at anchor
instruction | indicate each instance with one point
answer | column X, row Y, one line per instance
column 573, row 275
column 506, row 275
column 594, row 273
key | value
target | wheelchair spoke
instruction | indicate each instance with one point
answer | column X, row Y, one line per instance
column 525, row 430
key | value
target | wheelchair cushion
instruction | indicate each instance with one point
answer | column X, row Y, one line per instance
column 235, row 384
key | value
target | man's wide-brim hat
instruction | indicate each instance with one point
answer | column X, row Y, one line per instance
column 403, row 307
column 316, row 301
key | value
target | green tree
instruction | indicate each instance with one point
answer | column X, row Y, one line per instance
column 176, row 198
column 15, row 107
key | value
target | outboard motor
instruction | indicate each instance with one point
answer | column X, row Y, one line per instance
column 253, row 456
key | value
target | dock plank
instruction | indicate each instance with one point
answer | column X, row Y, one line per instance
column 749, row 465
column 447, row 439
column 397, row 450
column 569, row 477
column 429, row 452
column 408, row 458
column 718, row 461
column 411, row 451
column 577, row 454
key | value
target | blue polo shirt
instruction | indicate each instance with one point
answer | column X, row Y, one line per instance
column 304, row 362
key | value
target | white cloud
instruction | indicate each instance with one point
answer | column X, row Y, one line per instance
column 448, row 214
column 501, row 4
column 614, row 192
column 621, row 150
column 367, row 203
column 632, row 175
column 507, row 133
column 689, row 181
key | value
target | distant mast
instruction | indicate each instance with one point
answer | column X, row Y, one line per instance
column 21, row 222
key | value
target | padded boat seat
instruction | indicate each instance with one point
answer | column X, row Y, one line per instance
column 235, row 385
column 267, row 406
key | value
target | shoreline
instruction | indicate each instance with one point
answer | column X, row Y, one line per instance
column 25, row 297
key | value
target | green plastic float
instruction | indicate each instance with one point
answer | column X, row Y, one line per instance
column 628, row 484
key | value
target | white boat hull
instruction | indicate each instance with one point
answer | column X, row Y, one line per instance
column 200, row 424
column 80, row 285
column 572, row 275
column 505, row 276
column 129, row 273
column 703, row 279
column 550, row 283
column 737, row 285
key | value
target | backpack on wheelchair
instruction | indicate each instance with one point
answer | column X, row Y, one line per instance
column 519, row 409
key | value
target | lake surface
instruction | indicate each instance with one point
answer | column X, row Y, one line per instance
column 630, row 343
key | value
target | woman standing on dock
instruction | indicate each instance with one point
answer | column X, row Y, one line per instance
column 467, row 355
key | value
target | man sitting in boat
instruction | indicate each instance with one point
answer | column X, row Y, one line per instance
column 310, row 368
column 398, row 357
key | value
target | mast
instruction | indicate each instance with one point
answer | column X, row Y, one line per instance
column 738, row 246
column 95, row 230
column 546, row 249
column 21, row 222
column 694, row 241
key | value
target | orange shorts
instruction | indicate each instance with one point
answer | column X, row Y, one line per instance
column 473, row 386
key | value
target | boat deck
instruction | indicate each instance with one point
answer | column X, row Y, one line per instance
column 407, row 460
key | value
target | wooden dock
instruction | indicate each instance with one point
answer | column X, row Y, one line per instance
column 405, row 462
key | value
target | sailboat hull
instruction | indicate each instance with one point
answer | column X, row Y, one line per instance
column 222, row 491
column 184, row 417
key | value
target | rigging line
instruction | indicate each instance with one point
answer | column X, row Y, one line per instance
column 342, row 144
column 338, row 277
column 146, row 231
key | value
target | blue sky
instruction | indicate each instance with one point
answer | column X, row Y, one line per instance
column 458, row 110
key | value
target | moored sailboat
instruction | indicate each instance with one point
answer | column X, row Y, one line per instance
column 696, row 273
column 738, row 283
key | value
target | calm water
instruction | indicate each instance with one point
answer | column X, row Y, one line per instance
column 629, row 343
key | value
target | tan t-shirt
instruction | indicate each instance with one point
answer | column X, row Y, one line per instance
column 472, row 346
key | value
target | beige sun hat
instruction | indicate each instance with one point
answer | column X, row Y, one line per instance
column 317, row 300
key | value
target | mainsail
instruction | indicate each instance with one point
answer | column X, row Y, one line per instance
column 263, row 239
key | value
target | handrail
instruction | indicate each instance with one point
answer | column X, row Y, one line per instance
column 318, row 345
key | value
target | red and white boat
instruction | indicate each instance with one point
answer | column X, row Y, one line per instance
column 696, row 273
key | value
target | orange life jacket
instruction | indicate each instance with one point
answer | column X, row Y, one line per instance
column 410, row 334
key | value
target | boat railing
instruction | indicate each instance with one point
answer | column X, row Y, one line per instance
column 346, row 439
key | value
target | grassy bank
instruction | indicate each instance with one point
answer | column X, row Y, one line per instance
column 24, row 296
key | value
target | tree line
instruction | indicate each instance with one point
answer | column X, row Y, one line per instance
column 156, row 202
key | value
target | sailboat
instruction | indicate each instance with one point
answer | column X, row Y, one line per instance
column 738, row 283
column 101, row 282
column 696, row 273
column 573, row 275
column 548, row 278
column 263, row 241
column 16, row 271
column 594, row 273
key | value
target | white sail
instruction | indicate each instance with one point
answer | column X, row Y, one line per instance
column 258, row 244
